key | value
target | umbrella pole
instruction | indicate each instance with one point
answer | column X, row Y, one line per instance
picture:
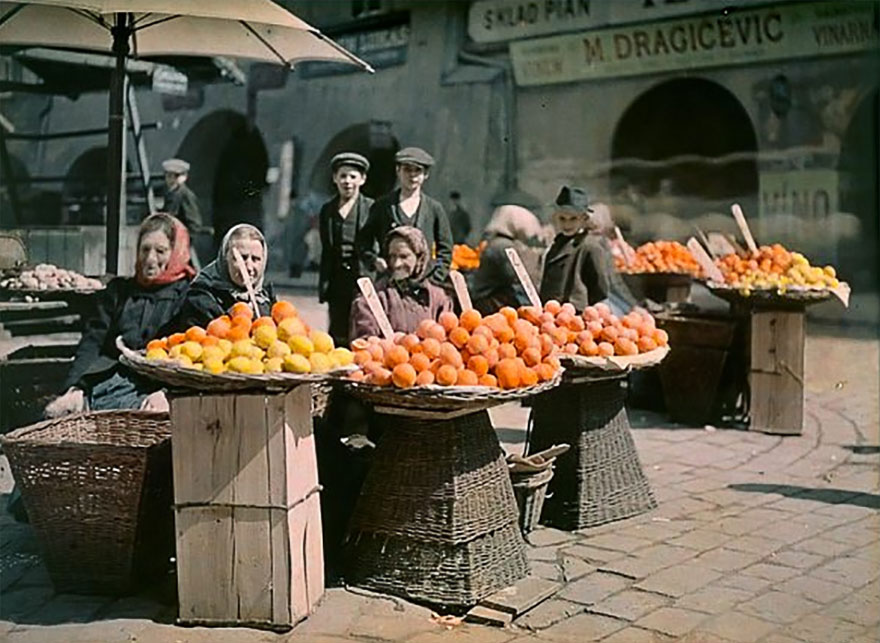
column 116, row 141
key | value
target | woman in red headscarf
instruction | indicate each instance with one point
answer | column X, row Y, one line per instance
column 136, row 308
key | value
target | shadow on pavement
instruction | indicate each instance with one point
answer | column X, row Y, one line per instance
column 862, row 449
column 830, row 496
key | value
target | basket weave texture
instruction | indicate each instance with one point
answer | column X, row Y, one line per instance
column 530, row 490
column 97, row 488
column 601, row 479
column 436, row 520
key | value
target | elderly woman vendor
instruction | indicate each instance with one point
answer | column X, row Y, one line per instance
column 405, row 294
column 221, row 283
column 135, row 308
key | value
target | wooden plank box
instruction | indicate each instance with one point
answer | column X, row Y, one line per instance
column 776, row 372
column 247, row 508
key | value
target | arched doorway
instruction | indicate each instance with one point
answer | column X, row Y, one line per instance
column 859, row 168
column 228, row 170
column 84, row 192
column 686, row 145
column 9, row 218
column 376, row 142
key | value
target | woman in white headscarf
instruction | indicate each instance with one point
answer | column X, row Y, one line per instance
column 494, row 284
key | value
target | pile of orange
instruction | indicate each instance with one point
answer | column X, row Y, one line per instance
column 774, row 267
column 500, row 350
column 660, row 256
column 238, row 343
column 466, row 258
column 596, row 331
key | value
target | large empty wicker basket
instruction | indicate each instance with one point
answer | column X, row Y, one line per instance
column 97, row 489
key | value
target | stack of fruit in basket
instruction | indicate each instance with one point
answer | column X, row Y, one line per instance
column 46, row 276
column 659, row 256
column 238, row 343
column 466, row 258
column 499, row 350
column 596, row 332
column 774, row 268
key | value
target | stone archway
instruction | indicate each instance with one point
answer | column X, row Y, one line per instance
column 84, row 193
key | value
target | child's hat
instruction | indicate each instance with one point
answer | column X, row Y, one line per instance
column 573, row 198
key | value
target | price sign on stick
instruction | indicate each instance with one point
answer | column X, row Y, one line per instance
column 236, row 255
column 461, row 290
column 743, row 227
column 628, row 252
column 369, row 293
column 705, row 261
column 842, row 291
column 523, row 276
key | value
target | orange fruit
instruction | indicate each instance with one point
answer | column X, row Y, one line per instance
column 377, row 352
column 530, row 314
column 372, row 366
column 423, row 327
column 424, row 378
column 560, row 336
column 210, row 340
column 241, row 309
column 531, row 356
column 467, row 378
column 545, row 372
column 646, row 344
column 449, row 355
column 396, row 355
column 610, row 334
column 431, row 347
column 547, row 345
column 492, row 357
column 506, row 351
column 569, row 308
column 403, row 375
column 483, row 330
column 359, row 344
column 282, row 310
column 478, row 364
column 238, row 332
column 507, row 372
column 470, row 319
column 157, row 344
column 571, row 349
column 219, row 327
column 528, row 377
column 553, row 307
column 603, row 309
column 379, row 377
column 447, row 375
column 524, row 342
column 263, row 321
column 195, row 334
column 624, row 346
column 448, row 320
column 660, row 337
column 606, row 349
column 420, row 362
column 576, row 324
column 436, row 331
column 175, row 339
column 488, row 380
column 510, row 314
column 506, row 334
column 361, row 357
column 553, row 361
column 595, row 327
column 357, row 376
column 589, row 348
column 459, row 337
column 477, row 344
column 411, row 343
column 590, row 314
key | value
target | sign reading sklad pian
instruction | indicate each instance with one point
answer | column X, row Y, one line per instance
column 742, row 37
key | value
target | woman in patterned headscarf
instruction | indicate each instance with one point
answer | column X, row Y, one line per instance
column 406, row 295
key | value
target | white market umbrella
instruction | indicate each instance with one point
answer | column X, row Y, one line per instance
column 253, row 29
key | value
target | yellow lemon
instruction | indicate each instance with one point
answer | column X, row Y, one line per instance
column 176, row 351
column 274, row 364
column 242, row 348
column 320, row 363
column 157, row 354
column 239, row 364
column 278, row 349
column 214, row 364
column 256, row 367
column 291, row 327
column 257, row 354
column 342, row 356
column 265, row 335
column 212, row 352
column 297, row 364
column 226, row 346
column 183, row 360
column 322, row 341
column 193, row 350
column 301, row 345
column 198, row 367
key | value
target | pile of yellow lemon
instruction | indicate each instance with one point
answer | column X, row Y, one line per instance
column 238, row 344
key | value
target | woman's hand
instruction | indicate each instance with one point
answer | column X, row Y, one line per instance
column 73, row 401
column 155, row 402
column 381, row 265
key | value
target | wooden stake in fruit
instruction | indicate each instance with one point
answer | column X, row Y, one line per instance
column 706, row 263
column 628, row 252
column 236, row 255
column 744, row 227
column 523, row 276
column 369, row 292
column 461, row 290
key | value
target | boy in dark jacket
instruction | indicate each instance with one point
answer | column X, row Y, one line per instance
column 409, row 206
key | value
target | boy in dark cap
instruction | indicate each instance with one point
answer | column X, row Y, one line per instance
column 180, row 201
column 341, row 223
column 578, row 267
column 409, row 206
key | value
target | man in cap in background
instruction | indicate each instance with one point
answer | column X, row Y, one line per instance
column 408, row 205
column 180, row 201
column 341, row 223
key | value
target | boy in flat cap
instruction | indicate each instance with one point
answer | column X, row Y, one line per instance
column 409, row 206
column 579, row 267
column 341, row 223
column 180, row 201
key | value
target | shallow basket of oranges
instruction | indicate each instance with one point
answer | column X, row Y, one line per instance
column 659, row 258
column 236, row 352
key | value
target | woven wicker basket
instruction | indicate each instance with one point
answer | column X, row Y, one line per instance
column 771, row 297
column 97, row 488
column 530, row 490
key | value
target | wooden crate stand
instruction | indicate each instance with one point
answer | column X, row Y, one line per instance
column 247, row 509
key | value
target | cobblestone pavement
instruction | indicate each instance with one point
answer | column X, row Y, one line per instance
column 756, row 538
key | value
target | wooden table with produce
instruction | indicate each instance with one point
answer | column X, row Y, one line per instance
column 246, row 491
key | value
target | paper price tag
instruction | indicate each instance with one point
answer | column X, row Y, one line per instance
column 842, row 292
column 523, row 276
column 705, row 261
column 369, row 292
column 628, row 253
column 743, row 227
column 239, row 262
column 461, row 290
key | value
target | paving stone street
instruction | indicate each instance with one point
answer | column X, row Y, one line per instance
column 757, row 538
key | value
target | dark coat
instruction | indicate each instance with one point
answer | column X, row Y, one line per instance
column 430, row 218
column 404, row 309
column 124, row 308
column 577, row 269
column 495, row 284
column 183, row 204
column 211, row 295
column 331, row 248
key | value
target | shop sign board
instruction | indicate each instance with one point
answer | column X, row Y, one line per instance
column 380, row 47
column 503, row 20
column 809, row 194
column 760, row 35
